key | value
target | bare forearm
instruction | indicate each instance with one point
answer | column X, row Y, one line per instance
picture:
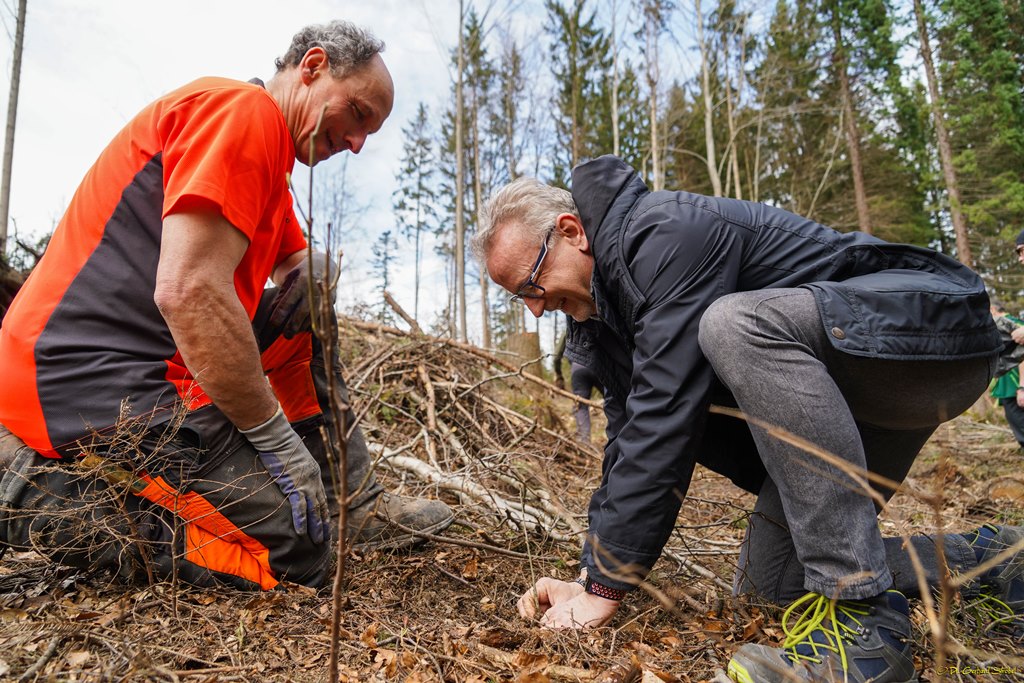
column 195, row 292
column 216, row 342
column 286, row 266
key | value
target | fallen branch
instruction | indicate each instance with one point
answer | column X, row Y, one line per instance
column 47, row 655
column 416, row 329
column 696, row 568
column 520, row 515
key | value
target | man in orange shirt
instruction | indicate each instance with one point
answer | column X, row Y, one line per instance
column 145, row 336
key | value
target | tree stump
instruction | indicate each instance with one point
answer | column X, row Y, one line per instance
column 525, row 346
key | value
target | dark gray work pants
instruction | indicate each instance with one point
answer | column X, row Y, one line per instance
column 813, row 527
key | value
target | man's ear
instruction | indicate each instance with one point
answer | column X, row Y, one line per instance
column 571, row 229
column 313, row 61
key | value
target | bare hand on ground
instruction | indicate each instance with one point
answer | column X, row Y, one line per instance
column 563, row 604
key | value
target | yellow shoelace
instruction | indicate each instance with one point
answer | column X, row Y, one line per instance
column 991, row 612
column 817, row 610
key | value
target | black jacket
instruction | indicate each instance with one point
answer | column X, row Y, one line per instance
column 660, row 259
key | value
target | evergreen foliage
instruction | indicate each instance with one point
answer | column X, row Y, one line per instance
column 541, row 105
column 981, row 77
column 580, row 59
column 415, row 200
column 384, row 256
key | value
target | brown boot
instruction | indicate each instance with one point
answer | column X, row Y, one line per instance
column 375, row 524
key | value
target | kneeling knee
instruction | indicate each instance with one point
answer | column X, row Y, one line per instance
column 304, row 562
column 720, row 333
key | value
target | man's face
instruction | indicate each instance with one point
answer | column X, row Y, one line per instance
column 1020, row 253
column 564, row 274
column 353, row 107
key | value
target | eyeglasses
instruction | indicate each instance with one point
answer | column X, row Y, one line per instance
column 529, row 289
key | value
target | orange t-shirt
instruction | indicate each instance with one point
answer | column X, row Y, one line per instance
column 83, row 337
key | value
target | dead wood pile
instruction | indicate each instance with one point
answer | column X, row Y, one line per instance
column 10, row 282
column 469, row 424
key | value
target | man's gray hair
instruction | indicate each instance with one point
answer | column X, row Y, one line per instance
column 528, row 202
column 348, row 47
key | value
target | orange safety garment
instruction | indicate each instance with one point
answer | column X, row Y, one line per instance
column 84, row 336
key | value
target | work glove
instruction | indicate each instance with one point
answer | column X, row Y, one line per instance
column 295, row 472
column 293, row 307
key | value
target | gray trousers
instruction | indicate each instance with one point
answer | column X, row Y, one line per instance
column 223, row 518
column 584, row 381
column 813, row 528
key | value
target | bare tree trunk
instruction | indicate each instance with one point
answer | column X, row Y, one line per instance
column 709, row 132
column 747, row 167
column 651, row 28
column 517, row 313
column 657, row 177
column 575, row 139
column 417, row 254
column 460, row 188
column 733, row 146
column 734, row 162
column 485, row 308
column 510, row 134
column 809, row 212
column 852, row 131
column 417, row 241
column 510, row 148
column 12, row 114
column 756, row 173
column 615, row 82
column 963, row 246
column 756, row 182
column 453, row 299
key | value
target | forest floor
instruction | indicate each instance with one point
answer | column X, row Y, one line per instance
column 498, row 449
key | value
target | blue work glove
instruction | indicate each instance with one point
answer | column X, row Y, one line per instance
column 292, row 307
column 295, row 472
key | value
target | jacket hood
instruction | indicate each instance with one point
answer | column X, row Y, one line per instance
column 595, row 186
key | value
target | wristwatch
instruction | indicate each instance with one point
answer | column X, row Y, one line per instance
column 600, row 590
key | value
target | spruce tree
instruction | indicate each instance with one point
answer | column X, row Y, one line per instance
column 580, row 60
column 383, row 258
column 981, row 85
column 415, row 198
column 798, row 138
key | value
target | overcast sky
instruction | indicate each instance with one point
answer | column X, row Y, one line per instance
column 90, row 65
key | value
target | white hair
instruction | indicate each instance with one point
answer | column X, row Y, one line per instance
column 528, row 203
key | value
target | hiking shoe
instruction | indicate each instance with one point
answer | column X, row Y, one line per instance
column 377, row 523
column 999, row 606
column 853, row 641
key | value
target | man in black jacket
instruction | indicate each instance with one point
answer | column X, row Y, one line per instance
column 679, row 301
